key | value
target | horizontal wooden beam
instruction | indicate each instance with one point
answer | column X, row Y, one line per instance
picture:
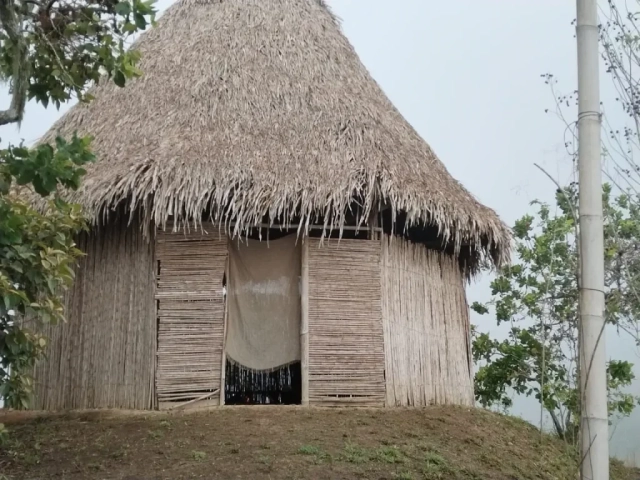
column 348, row 228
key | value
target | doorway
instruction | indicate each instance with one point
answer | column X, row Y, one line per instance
column 262, row 342
column 248, row 387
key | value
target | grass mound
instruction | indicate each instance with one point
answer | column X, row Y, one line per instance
column 286, row 443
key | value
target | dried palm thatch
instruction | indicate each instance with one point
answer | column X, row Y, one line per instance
column 250, row 108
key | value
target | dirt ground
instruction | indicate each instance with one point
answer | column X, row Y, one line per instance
column 284, row 443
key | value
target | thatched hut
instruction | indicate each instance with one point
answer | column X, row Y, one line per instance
column 267, row 228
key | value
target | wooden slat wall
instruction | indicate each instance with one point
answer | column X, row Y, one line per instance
column 104, row 355
column 346, row 351
column 426, row 327
column 190, row 314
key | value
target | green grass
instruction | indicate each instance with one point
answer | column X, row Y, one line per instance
column 308, row 450
column 404, row 476
column 198, row 455
column 287, row 443
column 355, row 454
column 389, row 455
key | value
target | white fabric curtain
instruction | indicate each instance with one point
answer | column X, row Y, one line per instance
column 263, row 331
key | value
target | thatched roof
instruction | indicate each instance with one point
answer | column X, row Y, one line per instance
column 254, row 107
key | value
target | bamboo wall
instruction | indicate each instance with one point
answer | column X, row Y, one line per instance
column 426, row 327
column 388, row 324
column 191, row 306
column 103, row 356
column 346, row 343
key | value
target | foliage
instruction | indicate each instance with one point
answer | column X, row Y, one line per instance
column 37, row 253
column 52, row 50
column 619, row 32
column 538, row 297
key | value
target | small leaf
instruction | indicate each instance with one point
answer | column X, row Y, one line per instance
column 8, row 301
column 119, row 79
column 141, row 22
column 123, row 8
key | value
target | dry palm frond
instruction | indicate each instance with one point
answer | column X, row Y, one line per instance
column 250, row 108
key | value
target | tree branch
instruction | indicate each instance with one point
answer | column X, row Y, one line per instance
column 20, row 78
column 556, row 423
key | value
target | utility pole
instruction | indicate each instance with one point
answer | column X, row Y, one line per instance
column 593, row 376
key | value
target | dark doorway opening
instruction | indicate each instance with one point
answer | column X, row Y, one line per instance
column 244, row 386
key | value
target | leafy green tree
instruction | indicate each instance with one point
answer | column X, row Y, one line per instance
column 538, row 297
column 51, row 51
column 619, row 29
column 37, row 253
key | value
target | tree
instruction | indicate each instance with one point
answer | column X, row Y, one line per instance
column 620, row 40
column 619, row 30
column 37, row 253
column 620, row 51
column 51, row 51
column 538, row 297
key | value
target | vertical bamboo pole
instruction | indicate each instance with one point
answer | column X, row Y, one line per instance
column 156, row 320
column 223, row 361
column 386, row 319
column 373, row 224
column 594, row 425
column 304, row 324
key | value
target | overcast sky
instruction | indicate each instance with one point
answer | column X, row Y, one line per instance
column 466, row 75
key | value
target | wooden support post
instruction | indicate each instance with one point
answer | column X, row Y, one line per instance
column 304, row 324
column 375, row 232
column 154, row 376
column 294, row 226
column 223, row 364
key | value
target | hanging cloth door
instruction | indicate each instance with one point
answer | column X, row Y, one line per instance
column 263, row 331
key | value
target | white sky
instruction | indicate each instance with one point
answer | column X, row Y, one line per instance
column 466, row 75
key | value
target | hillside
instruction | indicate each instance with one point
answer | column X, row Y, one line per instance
column 284, row 443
